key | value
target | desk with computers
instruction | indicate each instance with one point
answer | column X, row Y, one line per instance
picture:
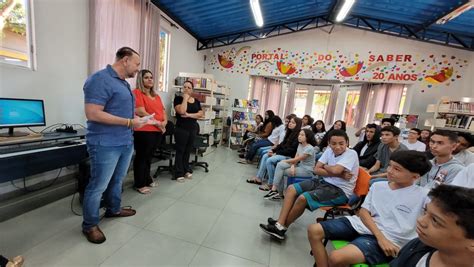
column 24, row 154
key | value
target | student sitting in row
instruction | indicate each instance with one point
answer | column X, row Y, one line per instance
column 386, row 221
column 445, row 231
column 462, row 153
column 368, row 147
column 389, row 144
column 338, row 168
column 319, row 130
column 285, row 150
column 301, row 165
column 445, row 166
column 338, row 125
column 413, row 141
column 307, row 122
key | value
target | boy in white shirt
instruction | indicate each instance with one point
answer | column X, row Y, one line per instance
column 338, row 168
column 386, row 220
column 465, row 177
column 462, row 153
column 412, row 142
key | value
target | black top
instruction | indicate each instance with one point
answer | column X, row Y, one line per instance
column 411, row 254
column 187, row 123
column 287, row 148
column 368, row 159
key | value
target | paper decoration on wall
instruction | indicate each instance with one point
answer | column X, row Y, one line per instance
column 351, row 70
column 426, row 70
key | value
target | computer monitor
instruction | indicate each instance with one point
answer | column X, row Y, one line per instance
column 16, row 112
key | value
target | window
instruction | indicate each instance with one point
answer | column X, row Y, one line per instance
column 402, row 100
column 164, row 59
column 299, row 108
column 352, row 99
column 320, row 104
column 16, row 36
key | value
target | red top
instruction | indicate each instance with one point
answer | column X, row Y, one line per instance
column 151, row 106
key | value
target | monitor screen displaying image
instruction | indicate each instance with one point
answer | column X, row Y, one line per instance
column 21, row 113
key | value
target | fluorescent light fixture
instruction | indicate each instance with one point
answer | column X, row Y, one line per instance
column 346, row 7
column 257, row 12
column 12, row 59
column 455, row 13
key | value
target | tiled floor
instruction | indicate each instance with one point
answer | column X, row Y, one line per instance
column 211, row 220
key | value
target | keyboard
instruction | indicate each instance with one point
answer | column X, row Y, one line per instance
column 35, row 146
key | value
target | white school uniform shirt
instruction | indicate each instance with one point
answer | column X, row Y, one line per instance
column 417, row 146
column 465, row 177
column 275, row 135
column 350, row 161
column 393, row 211
column 466, row 157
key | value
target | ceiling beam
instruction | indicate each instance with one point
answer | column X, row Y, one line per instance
column 174, row 18
column 433, row 21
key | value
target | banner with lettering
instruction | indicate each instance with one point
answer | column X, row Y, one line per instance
column 430, row 70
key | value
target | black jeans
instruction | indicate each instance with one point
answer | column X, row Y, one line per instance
column 184, row 143
column 145, row 146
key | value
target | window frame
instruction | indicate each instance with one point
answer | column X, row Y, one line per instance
column 165, row 75
column 30, row 41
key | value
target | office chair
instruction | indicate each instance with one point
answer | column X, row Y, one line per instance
column 166, row 150
column 201, row 141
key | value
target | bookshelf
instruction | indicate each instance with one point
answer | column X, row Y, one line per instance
column 213, row 96
column 243, row 117
column 452, row 114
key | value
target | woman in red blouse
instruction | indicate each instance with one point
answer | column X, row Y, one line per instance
column 146, row 138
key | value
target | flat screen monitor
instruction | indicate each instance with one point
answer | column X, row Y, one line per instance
column 16, row 112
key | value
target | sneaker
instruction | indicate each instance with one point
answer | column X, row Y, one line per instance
column 273, row 231
column 270, row 194
column 188, row 175
column 271, row 221
column 241, row 156
column 276, row 196
column 243, row 161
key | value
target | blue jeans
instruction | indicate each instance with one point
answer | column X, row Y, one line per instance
column 109, row 165
column 263, row 150
column 267, row 165
column 255, row 146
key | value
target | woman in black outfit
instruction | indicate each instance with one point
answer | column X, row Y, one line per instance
column 188, row 110
column 367, row 148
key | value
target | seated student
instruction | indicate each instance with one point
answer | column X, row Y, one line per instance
column 338, row 125
column 445, row 231
column 338, row 166
column 272, row 139
column 285, row 150
column 389, row 144
column 445, row 166
column 319, row 130
column 301, row 165
column 385, row 222
column 307, row 122
column 465, row 177
column 264, row 150
column 412, row 142
column 368, row 147
column 461, row 153
column 250, row 134
column 384, row 123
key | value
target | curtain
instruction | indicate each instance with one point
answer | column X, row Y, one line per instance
column 331, row 109
column 273, row 95
column 360, row 116
column 381, row 98
column 117, row 23
column 290, row 99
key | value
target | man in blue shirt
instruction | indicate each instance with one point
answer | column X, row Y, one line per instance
column 109, row 108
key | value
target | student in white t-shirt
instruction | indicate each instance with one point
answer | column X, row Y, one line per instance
column 338, row 168
column 445, row 231
column 413, row 141
column 465, row 177
column 386, row 220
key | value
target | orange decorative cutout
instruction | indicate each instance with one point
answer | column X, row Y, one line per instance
column 286, row 68
column 440, row 77
column 225, row 62
column 351, row 70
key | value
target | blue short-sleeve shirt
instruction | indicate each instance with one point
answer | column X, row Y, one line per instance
column 107, row 89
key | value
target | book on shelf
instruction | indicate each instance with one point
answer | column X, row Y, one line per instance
column 197, row 82
column 457, row 121
column 456, row 107
column 244, row 103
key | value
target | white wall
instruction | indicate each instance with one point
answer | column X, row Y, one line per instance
column 62, row 50
column 183, row 58
column 352, row 41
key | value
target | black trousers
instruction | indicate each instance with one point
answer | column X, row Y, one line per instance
column 184, row 143
column 3, row 261
column 145, row 145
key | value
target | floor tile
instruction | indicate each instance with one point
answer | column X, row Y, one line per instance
column 209, row 257
column 213, row 196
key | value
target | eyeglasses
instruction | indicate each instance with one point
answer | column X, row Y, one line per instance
column 412, row 132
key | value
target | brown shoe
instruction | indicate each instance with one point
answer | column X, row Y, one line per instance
column 124, row 212
column 94, row 235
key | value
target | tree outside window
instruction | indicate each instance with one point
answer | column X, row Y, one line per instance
column 15, row 37
column 164, row 59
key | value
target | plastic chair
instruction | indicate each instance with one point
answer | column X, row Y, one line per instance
column 360, row 191
column 338, row 244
